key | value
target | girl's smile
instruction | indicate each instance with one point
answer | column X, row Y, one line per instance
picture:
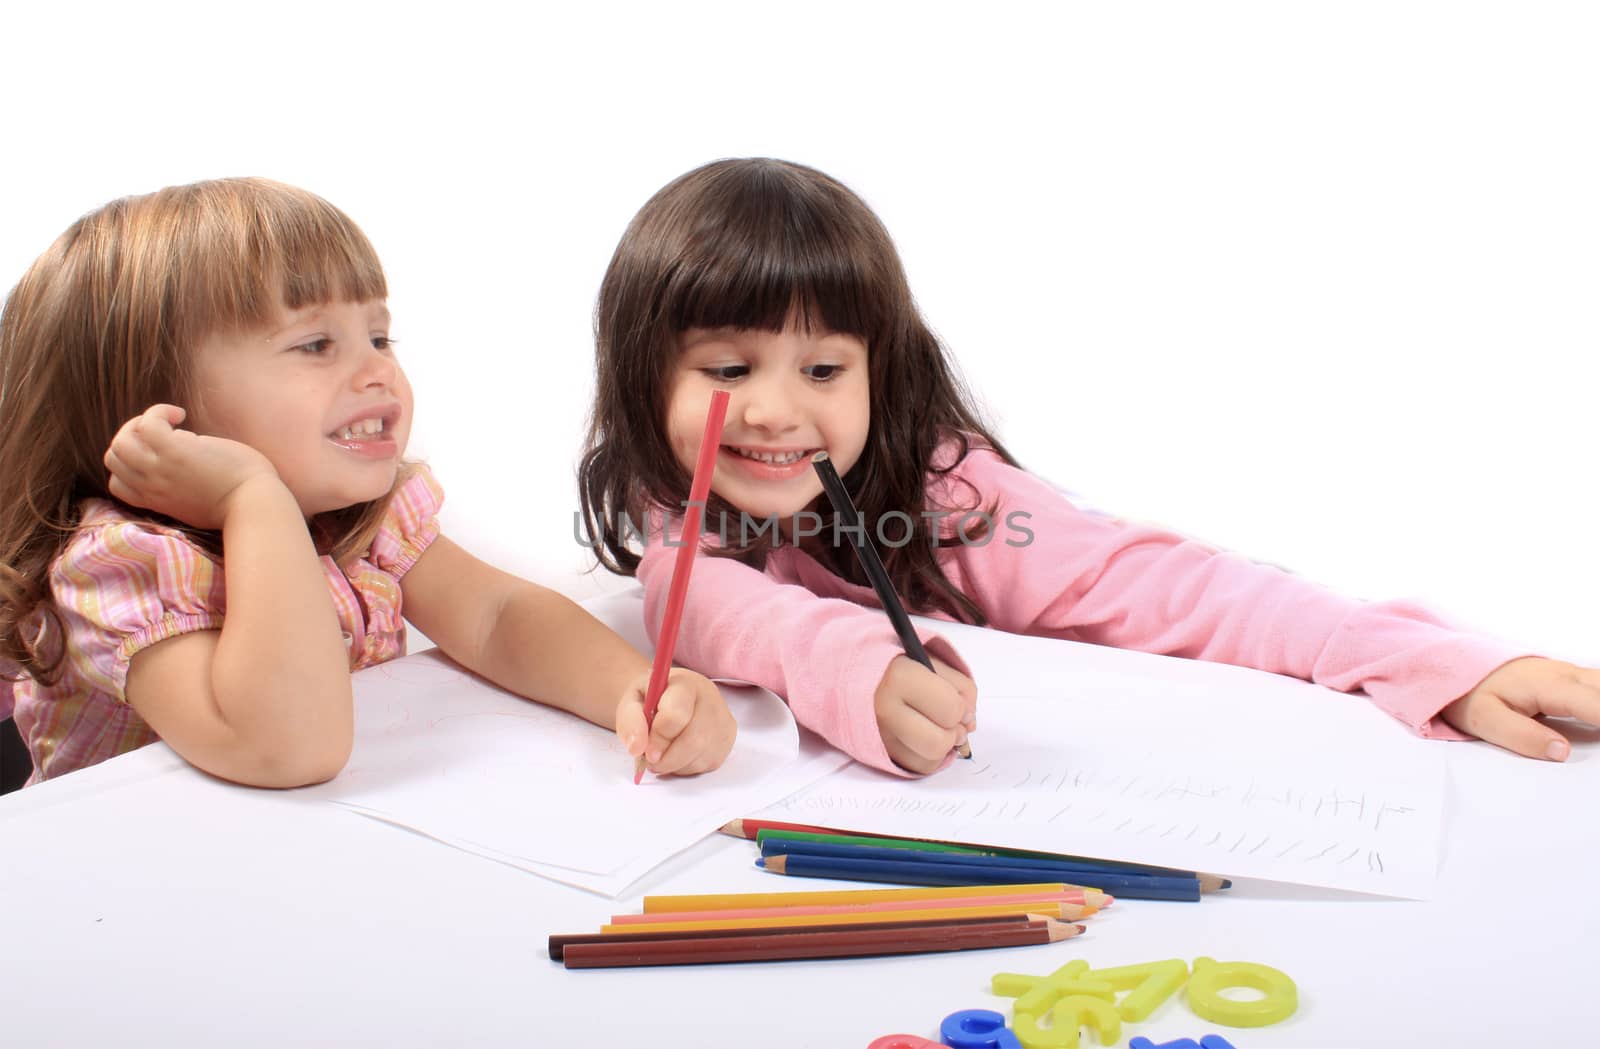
column 371, row 434
column 766, row 464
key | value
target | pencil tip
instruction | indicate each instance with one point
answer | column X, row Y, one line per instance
column 761, row 861
column 775, row 864
column 965, row 751
column 735, row 828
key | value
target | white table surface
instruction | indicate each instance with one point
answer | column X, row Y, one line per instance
column 146, row 904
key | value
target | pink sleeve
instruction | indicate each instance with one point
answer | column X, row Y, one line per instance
column 823, row 655
column 410, row 525
column 125, row 585
column 1092, row 578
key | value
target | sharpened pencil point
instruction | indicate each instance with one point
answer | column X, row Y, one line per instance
column 775, row 864
column 638, row 770
column 733, row 828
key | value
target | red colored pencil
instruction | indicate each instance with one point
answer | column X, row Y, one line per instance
column 699, row 490
column 748, row 828
column 789, row 946
column 560, row 941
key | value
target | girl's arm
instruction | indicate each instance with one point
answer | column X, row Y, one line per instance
column 540, row 644
column 828, row 658
column 1063, row 572
column 266, row 701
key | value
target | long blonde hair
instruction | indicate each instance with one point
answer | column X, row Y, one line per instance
column 102, row 326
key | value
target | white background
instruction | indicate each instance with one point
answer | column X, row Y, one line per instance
column 1316, row 283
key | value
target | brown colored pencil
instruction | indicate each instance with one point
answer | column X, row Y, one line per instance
column 795, row 946
column 560, row 941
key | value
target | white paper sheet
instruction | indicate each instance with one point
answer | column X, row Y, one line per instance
column 1122, row 755
column 451, row 756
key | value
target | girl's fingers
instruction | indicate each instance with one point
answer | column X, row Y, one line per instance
column 676, row 758
column 169, row 415
column 965, row 687
column 1493, row 720
column 673, row 714
column 1569, row 697
column 919, row 736
column 119, row 490
column 117, row 466
column 937, row 700
column 630, row 723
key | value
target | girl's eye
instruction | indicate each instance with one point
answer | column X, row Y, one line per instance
column 315, row 347
column 383, row 342
column 728, row 372
column 822, row 372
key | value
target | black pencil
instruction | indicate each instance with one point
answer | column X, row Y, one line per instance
column 873, row 565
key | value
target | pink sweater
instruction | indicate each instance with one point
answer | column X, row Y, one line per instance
column 1082, row 577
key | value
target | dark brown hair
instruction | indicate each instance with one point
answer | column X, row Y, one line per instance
column 749, row 244
column 101, row 326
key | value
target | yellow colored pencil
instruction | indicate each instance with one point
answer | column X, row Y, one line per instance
column 728, row 900
column 1071, row 910
column 1038, row 910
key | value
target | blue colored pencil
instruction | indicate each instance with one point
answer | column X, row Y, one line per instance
column 1128, row 882
column 941, row 872
column 778, row 845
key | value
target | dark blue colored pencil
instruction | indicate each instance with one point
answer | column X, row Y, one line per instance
column 938, row 872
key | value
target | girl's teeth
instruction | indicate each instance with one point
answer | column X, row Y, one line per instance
column 775, row 458
column 365, row 428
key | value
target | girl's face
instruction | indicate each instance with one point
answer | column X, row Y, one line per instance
column 791, row 394
column 321, row 396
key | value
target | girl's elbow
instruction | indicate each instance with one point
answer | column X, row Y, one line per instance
column 304, row 759
column 301, row 766
column 322, row 764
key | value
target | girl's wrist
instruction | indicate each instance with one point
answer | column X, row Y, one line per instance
column 258, row 492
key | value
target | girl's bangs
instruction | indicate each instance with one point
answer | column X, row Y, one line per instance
column 764, row 275
column 258, row 248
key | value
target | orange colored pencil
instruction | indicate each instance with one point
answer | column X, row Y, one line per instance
column 779, row 919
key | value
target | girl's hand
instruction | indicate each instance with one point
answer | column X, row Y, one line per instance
column 693, row 730
column 923, row 716
column 1505, row 707
column 177, row 472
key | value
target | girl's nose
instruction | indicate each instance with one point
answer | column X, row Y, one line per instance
column 770, row 407
column 376, row 368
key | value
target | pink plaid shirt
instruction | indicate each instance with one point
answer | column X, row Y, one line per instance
column 123, row 584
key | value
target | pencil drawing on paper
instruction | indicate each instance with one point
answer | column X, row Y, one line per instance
column 1230, row 817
